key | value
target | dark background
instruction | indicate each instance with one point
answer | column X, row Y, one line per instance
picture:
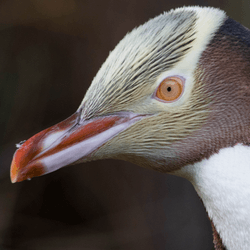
column 49, row 53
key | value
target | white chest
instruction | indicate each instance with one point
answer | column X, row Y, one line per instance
column 223, row 183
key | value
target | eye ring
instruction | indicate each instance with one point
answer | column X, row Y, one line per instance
column 170, row 89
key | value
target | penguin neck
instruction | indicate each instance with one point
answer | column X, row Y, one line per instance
column 223, row 183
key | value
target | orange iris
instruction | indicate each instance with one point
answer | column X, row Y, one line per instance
column 170, row 89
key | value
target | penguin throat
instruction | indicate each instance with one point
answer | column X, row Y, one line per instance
column 222, row 182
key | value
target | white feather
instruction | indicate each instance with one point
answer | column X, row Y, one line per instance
column 223, row 183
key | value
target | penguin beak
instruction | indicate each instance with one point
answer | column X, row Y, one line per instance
column 65, row 143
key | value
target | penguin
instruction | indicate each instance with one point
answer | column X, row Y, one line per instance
column 173, row 96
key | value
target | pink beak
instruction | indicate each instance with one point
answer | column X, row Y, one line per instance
column 66, row 143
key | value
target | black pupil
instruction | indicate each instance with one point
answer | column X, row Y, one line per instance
column 169, row 89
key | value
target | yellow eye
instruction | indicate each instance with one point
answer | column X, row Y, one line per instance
column 170, row 89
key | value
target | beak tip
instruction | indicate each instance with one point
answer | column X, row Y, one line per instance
column 13, row 180
column 21, row 173
column 13, row 172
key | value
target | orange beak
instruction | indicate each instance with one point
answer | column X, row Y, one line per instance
column 66, row 143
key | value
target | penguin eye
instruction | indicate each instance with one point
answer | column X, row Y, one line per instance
column 170, row 89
